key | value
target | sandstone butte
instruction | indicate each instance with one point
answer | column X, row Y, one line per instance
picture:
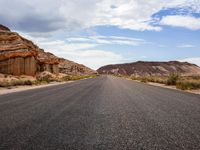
column 19, row 56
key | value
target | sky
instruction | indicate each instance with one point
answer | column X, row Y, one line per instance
column 101, row 32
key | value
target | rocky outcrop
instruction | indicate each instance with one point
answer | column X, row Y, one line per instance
column 19, row 56
column 19, row 66
column 47, row 62
column 72, row 68
column 4, row 28
column 141, row 68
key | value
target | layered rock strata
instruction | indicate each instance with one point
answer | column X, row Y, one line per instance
column 19, row 56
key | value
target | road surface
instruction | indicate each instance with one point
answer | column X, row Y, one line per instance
column 102, row 113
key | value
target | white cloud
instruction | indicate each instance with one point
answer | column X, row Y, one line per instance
column 107, row 40
column 69, row 15
column 188, row 22
column 186, row 46
column 94, row 58
column 195, row 60
column 137, row 14
column 83, row 52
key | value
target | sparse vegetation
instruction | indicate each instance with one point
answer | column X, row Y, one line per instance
column 73, row 78
column 183, row 83
column 154, row 79
column 15, row 83
column 172, row 79
column 45, row 79
column 41, row 80
column 188, row 84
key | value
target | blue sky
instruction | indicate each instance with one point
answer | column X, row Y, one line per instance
column 101, row 32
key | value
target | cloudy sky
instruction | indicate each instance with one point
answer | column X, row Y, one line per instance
column 100, row 32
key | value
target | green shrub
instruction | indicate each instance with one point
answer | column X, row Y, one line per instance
column 172, row 79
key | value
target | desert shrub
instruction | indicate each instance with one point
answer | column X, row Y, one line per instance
column 73, row 78
column 134, row 78
column 172, row 79
column 4, row 84
column 188, row 85
column 144, row 80
column 28, row 82
column 66, row 78
column 154, row 79
column 77, row 77
column 36, row 82
column 15, row 83
column 45, row 79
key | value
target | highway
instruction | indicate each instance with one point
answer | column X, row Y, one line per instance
column 103, row 113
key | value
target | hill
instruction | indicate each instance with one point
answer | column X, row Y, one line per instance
column 142, row 68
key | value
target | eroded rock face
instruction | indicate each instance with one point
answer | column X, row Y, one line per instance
column 152, row 69
column 19, row 66
column 72, row 68
column 47, row 62
column 19, row 56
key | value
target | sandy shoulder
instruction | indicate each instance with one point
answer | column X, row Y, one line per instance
column 24, row 88
column 170, row 87
column 174, row 87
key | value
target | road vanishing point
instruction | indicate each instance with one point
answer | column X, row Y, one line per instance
column 103, row 113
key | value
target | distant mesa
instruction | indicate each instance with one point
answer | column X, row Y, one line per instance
column 142, row 68
column 19, row 56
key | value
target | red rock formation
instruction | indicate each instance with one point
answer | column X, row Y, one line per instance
column 47, row 62
column 19, row 56
column 72, row 68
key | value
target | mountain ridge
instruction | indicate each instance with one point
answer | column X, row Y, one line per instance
column 151, row 68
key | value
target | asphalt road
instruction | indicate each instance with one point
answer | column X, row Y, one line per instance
column 103, row 113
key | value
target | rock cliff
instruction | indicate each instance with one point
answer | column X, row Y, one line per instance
column 141, row 68
column 19, row 56
column 72, row 68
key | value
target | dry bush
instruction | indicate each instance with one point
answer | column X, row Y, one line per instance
column 172, row 79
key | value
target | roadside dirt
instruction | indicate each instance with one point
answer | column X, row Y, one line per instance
column 174, row 87
column 23, row 88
